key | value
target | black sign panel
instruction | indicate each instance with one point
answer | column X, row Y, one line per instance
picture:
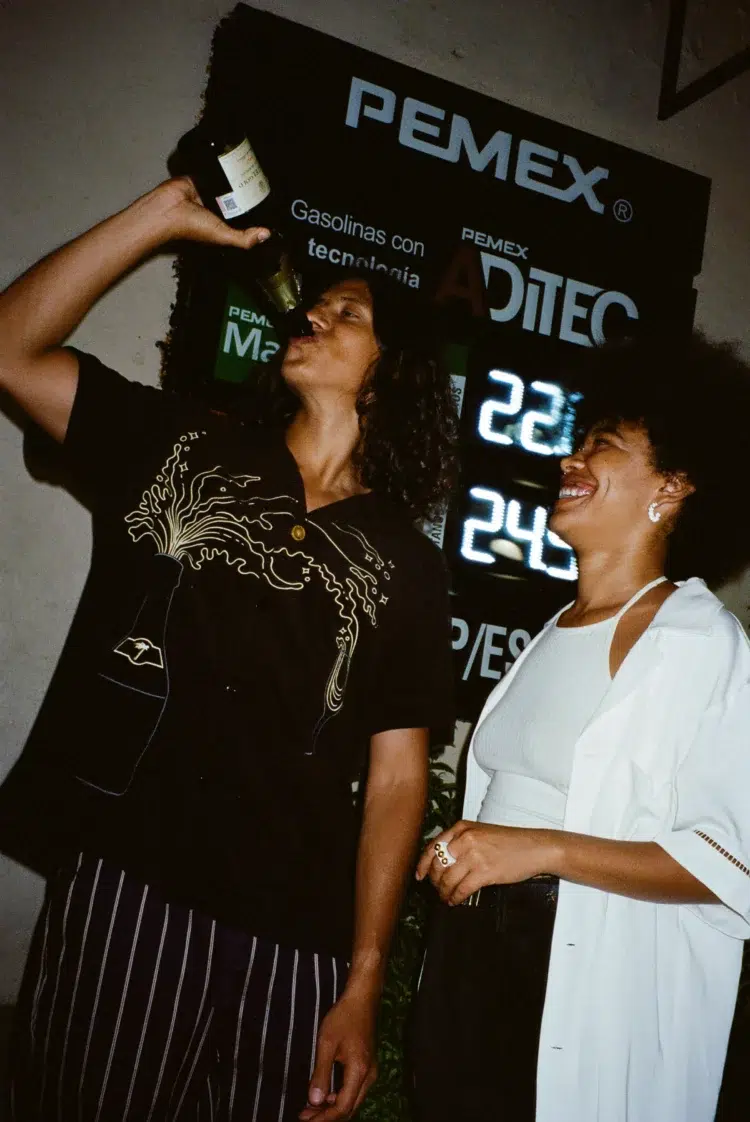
column 531, row 238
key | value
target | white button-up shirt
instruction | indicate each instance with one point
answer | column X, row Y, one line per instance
column 640, row 995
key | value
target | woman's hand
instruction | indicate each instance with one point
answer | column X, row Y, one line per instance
column 484, row 855
column 187, row 218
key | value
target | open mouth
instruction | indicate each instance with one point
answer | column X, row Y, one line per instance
column 573, row 493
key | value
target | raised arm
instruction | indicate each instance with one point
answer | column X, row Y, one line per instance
column 40, row 310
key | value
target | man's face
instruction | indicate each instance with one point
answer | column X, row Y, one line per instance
column 338, row 357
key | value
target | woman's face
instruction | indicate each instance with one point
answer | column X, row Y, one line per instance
column 606, row 488
column 338, row 357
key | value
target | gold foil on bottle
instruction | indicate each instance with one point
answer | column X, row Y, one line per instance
column 282, row 287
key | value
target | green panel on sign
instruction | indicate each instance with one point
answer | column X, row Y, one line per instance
column 456, row 357
column 246, row 337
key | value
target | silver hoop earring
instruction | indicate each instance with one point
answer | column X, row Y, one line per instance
column 653, row 513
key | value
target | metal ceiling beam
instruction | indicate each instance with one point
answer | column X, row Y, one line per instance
column 672, row 100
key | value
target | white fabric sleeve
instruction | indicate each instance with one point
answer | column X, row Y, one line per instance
column 710, row 836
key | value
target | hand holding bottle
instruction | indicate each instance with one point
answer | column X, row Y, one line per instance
column 227, row 178
column 187, row 218
column 40, row 310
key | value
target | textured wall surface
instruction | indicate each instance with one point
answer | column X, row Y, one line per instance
column 96, row 93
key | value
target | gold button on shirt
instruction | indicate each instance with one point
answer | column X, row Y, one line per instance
column 298, row 533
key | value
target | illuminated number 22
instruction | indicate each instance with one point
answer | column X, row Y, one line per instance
column 531, row 420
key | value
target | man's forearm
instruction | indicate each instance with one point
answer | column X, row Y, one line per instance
column 44, row 306
column 390, row 831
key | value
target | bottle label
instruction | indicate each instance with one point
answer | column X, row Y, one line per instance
column 249, row 184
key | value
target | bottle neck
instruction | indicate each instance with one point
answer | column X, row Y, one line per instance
column 276, row 275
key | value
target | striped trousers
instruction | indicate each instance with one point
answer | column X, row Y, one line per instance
column 133, row 1008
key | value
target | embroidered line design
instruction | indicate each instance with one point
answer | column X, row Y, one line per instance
column 212, row 515
column 724, row 853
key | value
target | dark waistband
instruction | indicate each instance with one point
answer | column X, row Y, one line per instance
column 538, row 892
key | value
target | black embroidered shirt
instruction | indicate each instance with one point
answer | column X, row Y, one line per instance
column 230, row 659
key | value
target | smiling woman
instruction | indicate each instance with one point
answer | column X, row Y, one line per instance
column 605, row 839
column 689, row 397
column 607, row 483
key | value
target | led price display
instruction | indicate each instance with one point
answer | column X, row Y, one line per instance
column 508, row 418
column 519, row 423
column 526, row 527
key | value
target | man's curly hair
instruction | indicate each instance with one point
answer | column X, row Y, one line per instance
column 407, row 412
column 692, row 397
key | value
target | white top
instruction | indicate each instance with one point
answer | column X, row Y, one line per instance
column 526, row 745
column 640, row 995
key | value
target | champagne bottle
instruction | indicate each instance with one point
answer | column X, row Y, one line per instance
column 219, row 159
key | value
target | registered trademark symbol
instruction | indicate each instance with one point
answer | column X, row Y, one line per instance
column 623, row 210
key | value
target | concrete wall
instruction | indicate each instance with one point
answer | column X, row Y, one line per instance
column 95, row 92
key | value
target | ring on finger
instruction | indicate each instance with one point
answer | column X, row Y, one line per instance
column 443, row 854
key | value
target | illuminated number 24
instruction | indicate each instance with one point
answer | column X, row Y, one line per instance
column 491, row 525
column 533, row 536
